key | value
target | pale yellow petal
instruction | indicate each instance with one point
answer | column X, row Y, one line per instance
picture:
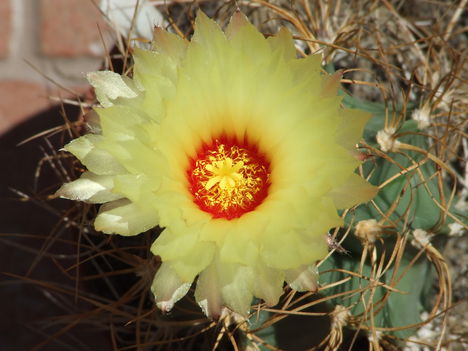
column 183, row 251
column 306, row 72
column 237, row 248
column 93, row 122
column 283, row 43
column 96, row 159
column 354, row 191
column 168, row 288
column 331, row 83
column 201, row 255
column 236, row 283
column 136, row 187
column 137, row 157
column 208, row 34
column 90, row 188
column 208, row 292
column 169, row 44
column 156, row 74
column 172, row 245
column 286, row 248
column 237, row 21
column 268, row 284
column 280, row 251
column 110, row 86
column 120, row 122
column 125, row 218
column 351, row 128
column 248, row 39
column 303, row 278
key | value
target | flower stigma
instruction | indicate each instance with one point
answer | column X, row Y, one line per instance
column 228, row 178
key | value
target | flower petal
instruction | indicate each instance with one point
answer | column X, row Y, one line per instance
column 208, row 292
column 137, row 188
column 248, row 39
column 93, row 122
column 283, row 43
column 354, row 191
column 186, row 255
column 109, row 86
column 238, row 248
column 237, row 21
column 169, row 44
column 351, row 127
column 156, row 74
column 97, row 160
column 306, row 72
column 172, row 245
column 288, row 250
column 121, row 122
column 201, row 255
column 90, row 188
column 125, row 218
column 304, row 278
column 331, row 84
column 268, row 284
column 168, row 288
column 236, row 283
column 207, row 33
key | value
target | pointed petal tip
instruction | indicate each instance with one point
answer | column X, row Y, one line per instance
column 109, row 86
column 61, row 193
column 109, row 224
column 208, row 293
column 93, row 122
column 207, row 32
column 354, row 191
column 237, row 21
column 201, row 16
column 332, row 83
column 68, row 192
column 165, row 306
column 304, row 278
column 283, row 42
column 168, row 43
column 168, row 288
column 157, row 32
column 232, row 317
column 239, row 17
column 212, row 311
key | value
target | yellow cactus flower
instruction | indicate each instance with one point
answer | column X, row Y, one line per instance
column 238, row 149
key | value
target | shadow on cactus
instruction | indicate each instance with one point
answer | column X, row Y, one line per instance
column 386, row 263
column 388, row 272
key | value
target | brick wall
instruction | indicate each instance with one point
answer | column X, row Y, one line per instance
column 60, row 38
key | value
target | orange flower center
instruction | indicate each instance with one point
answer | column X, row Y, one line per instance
column 228, row 178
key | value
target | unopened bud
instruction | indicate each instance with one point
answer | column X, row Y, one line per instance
column 456, row 229
column 421, row 239
column 387, row 140
column 340, row 316
column 422, row 116
column 368, row 230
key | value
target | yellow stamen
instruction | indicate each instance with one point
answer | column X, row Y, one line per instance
column 225, row 174
column 228, row 180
